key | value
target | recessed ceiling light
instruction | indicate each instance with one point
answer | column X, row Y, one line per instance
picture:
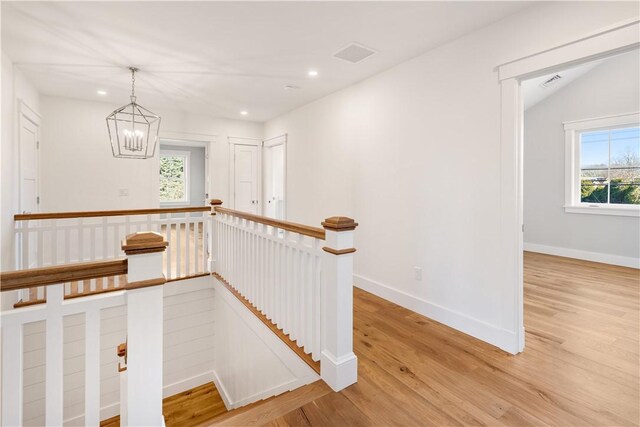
column 244, row 113
column 312, row 73
column 102, row 92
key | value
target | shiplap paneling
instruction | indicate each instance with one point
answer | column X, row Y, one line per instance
column 188, row 352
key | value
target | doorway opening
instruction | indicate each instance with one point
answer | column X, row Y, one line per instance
column 581, row 191
column 183, row 173
column 602, row 44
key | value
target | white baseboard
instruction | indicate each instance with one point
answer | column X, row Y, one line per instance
column 106, row 412
column 187, row 384
column 113, row 409
column 622, row 261
column 230, row 404
column 501, row 338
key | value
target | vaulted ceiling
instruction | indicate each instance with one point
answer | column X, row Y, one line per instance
column 221, row 58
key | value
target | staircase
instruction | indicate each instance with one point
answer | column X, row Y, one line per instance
column 255, row 306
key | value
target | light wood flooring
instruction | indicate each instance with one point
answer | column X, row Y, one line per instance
column 186, row 409
column 580, row 366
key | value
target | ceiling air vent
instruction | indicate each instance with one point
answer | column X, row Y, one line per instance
column 354, row 53
column 551, row 80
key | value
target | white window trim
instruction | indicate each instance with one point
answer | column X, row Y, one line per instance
column 187, row 176
column 572, row 130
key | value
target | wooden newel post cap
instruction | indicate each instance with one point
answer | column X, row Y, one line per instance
column 339, row 223
column 143, row 243
column 216, row 202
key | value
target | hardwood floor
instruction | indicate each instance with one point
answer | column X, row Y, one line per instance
column 189, row 408
column 580, row 366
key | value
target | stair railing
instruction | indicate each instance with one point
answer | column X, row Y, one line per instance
column 58, row 238
column 141, row 394
column 298, row 276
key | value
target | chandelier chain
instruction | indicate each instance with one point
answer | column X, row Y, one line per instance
column 133, row 82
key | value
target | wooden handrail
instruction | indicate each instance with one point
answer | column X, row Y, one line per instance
column 316, row 232
column 33, row 277
column 89, row 214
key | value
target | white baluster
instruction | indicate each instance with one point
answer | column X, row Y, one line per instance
column 287, row 300
column 187, row 245
column 105, row 237
column 54, row 356
column 317, row 301
column 40, row 246
column 54, row 242
column 178, row 245
column 277, row 291
column 25, row 247
column 169, row 252
column 80, row 242
column 92, row 367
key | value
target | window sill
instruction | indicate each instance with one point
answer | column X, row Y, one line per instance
column 631, row 210
column 175, row 204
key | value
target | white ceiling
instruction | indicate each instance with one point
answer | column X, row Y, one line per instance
column 221, row 57
column 533, row 92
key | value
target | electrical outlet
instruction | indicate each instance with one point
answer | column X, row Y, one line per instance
column 124, row 192
column 417, row 273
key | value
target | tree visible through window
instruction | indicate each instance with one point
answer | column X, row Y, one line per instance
column 173, row 177
column 610, row 166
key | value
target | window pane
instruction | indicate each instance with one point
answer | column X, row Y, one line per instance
column 625, row 147
column 625, row 186
column 172, row 178
column 594, row 186
column 594, row 150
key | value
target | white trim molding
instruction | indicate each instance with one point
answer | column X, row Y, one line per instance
column 501, row 338
column 617, row 38
column 623, row 261
column 572, row 155
column 270, row 143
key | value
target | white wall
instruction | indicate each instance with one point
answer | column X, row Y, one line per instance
column 80, row 173
column 251, row 363
column 14, row 87
column 613, row 87
column 413, row 154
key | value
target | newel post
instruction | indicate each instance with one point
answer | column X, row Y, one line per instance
column 142, row 394
column 339, row 365
column 213, row 247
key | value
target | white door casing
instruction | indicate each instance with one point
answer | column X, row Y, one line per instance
column 29, row 171
column 246, row 178
column 29, row 141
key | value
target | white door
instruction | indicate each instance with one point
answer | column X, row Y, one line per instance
column 246, row 177
column 28, row 166
column 274, row 176
column 28, row 175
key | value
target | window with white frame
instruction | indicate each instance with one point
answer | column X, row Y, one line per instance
column 603, row 165
column 174, row 176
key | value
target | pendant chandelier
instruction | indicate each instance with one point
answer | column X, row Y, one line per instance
column 133, row 130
